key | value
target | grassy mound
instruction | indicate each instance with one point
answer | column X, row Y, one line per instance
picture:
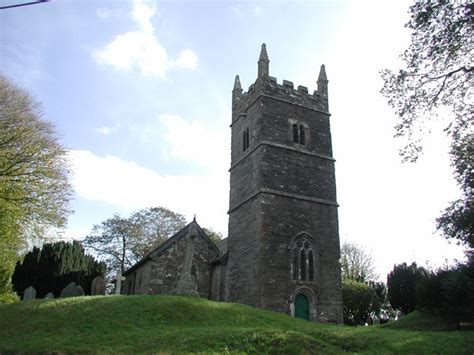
column 422, row 322
column 170, row 324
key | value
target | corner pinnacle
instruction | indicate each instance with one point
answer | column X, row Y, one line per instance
column 237, row 85
column 263, row 67
column 263, row 53
column 322, row 74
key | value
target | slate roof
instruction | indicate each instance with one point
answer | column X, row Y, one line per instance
column 168, row 242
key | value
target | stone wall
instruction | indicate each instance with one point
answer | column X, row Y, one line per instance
column 280, row 189
column 160, row 274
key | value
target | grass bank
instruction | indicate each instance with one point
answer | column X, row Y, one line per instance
column 170, row 324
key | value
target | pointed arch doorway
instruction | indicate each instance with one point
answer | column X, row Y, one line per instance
column 301, row 306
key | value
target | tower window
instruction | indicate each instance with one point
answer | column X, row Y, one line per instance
column 296, row 136
column 245, row 139
column 302, row 258
column 299, row 134
column 302, row 135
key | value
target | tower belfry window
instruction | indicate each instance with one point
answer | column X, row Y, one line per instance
column 296, row 137
column 302, row 135
column 299, row 133
column 245, row 139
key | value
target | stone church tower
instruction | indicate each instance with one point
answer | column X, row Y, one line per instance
column 283, row 245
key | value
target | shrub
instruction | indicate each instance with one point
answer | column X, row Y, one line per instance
column 360, row 302
column 449, row 292
column 401, row 285
column 51, row 268
column 9, row 298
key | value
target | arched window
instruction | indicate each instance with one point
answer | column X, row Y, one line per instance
column 245, row 139
column 302, row 258
column 296, row 138
column 310, row 266
column 299, row 133
column 302, row 264
column 294, row 266
column 302, row 135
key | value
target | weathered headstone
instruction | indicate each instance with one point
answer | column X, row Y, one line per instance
column 71, row 290
column 29, row 294
column 49, row 296
column 98, row 286
column 80, row 290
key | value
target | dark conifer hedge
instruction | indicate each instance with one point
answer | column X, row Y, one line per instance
column 52, row 267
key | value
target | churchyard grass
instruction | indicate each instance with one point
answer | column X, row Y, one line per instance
column 172, row 324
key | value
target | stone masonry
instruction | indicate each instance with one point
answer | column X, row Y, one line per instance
column 282, row 252
column 282, row 184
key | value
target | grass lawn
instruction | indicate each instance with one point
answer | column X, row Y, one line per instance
column 171, row 324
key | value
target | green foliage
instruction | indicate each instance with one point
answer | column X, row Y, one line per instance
column 51, row 268
column 9, row 298
column 33, row 167
column 34, row 187
column 153, row 226
column 216, row 237
column 177, row 325
column 457, row 220
column 121, row 242
column 401, row 284
column 360, row 302
column 449, row 292
column 356, row 263
column 438, row 73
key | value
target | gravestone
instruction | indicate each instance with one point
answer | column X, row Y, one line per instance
column 49, row 296
column 71, row 290
column 29, row 294
column 98, row 286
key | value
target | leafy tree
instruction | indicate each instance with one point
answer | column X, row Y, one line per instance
column 216, row 237
column 356, row 264
column 449, row 292
column 360, row 302
column 111, row 241
column 121, row 242
column 385, row 312
column 52, row 267
column 438, row 73
column 154, row 225
column 34, row 187
column 401, row 284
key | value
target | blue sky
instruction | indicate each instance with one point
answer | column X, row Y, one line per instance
column 140, row 91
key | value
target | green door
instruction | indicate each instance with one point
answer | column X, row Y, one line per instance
column 301, row 307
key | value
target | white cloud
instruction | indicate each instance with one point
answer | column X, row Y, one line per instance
column 142, row 13
column 105, row 131
column 105, row 13
column 140, row 50
column 187, row 60
column 196, row 143
column 127, row 185
column 246, row 10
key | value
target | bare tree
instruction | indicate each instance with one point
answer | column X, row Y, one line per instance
column 356, row 263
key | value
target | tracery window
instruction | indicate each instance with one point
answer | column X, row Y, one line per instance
column 299, row 134
column 303, row 263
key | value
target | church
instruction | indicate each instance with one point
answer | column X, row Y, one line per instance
column 282, row 251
